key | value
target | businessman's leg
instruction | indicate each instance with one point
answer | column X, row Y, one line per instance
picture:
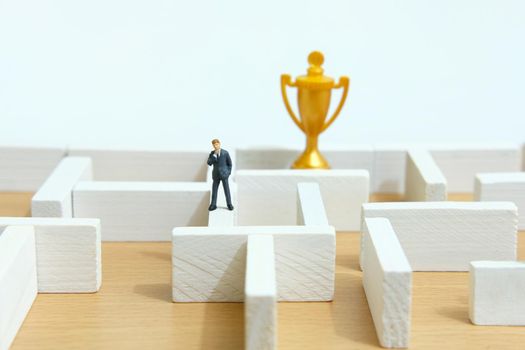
column 214, row 189
column 227, row 192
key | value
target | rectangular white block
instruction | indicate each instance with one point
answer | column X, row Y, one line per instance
column 310, row 207
column 460, row 163
column 496, row 293
column 424, row 180
column 523, row 157
column 142, row 211
column 145, row 165
column 387, row 280
column 209, row 262
column 260, row 294
column 222, row 216
column 268, row 197
column 350, row 157
column 18, row 282
column 388, row 175
column 268, row 157
column 447, row 236
column 68, row 253
column 503, row 187
column 54, row 198
column 24, row 169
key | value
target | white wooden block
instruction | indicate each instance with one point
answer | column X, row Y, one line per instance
column 68, row 253
column 145, row 165
column 350, row 157
column 388, row 175
column 24, row 169
column 460, row 163
column 503, row 187
column 447, row 236
column 267, row 157
column 387, row 280
column 260, row 294
column 496, row 293
column 209, row 176
column 523, row 157
column 54, row 198
column 310, row 207
column 268, row 197
column 142, row 211
column 18, row 282
column 424, row 180
column 222, row 216
column 209, row 262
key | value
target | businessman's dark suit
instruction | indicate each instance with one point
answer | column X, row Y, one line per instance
column 222, row 168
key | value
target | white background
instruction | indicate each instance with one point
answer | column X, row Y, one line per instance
column 179, row 73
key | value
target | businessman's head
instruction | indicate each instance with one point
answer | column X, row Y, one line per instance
column 216, row 144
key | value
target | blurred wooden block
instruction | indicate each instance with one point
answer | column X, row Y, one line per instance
column 447, row 236
column 54, row 198
column 387, row 280
column 496, row 293
column 68, row 253
column 142, row 211
column 389, row 171
column 18, row 281
column 260, row 294
column 461, row 163
column 24, row 169
column 424, row 180
column 269, row 197
column 503, row 187
column 145, row 165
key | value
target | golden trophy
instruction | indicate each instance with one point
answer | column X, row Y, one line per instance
column 313, row 97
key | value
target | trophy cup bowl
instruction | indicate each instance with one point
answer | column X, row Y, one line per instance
column 314, row 91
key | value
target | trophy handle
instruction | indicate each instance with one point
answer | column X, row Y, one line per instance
column 287, row 80
column 344, row 82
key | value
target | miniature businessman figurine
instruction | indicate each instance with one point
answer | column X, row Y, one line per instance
column 222, row 168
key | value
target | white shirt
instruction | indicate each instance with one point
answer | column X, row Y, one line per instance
column 217, row 154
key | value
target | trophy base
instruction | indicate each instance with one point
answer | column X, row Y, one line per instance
column 311, row 159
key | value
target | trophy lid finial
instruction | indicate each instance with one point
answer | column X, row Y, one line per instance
column 315, row 79
column 315, row 59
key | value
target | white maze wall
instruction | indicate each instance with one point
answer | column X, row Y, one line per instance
column 85, row 196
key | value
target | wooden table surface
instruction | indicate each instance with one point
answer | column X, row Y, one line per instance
column 133, row 310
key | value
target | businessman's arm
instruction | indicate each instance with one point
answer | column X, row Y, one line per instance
column 229, row 163
column 212, row 159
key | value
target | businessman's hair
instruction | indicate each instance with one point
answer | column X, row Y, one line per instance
column 215, row 141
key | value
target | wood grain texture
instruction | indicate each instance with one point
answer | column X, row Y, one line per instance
column 133, row 310
column 387, row 280
column 68, row 253
column 209, row 262
column 15, row 203
column 496, row 293
column 447, row 236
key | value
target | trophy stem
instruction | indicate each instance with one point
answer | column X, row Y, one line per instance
column 311, row 157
